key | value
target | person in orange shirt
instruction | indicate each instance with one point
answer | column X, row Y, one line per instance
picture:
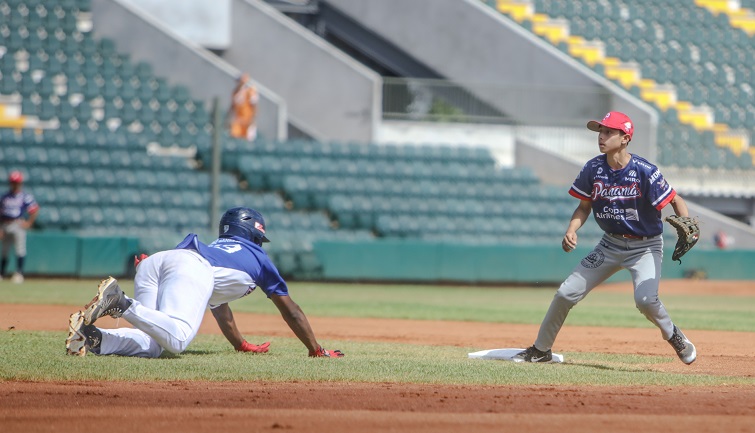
column 243, row 112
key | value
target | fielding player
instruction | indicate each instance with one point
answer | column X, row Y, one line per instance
column 14, row 205
column 625, row 193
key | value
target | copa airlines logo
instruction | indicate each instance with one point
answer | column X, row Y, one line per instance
column 600, row 191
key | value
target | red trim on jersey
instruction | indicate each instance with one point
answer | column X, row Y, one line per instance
column 578, row 195
column 670, row 197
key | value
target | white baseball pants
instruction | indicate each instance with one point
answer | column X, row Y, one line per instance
column 171, row 292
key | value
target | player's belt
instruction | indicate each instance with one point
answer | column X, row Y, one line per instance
column 642, row 238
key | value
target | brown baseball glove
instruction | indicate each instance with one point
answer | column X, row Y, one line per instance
column 688, row 232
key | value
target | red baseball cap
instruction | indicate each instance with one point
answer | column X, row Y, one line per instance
column 15, row 177
column 613, row 120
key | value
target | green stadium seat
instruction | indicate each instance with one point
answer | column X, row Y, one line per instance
column 40, row 177
column 49, row 219
column 29, row 107
column 70, row 217
column 47, row 110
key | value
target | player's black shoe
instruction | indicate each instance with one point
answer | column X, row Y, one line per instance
column 110, row 301
column 683, row 347
column 532, row 354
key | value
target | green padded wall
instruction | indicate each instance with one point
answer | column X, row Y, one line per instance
column 65, row 254
column 103, row 256
column 421, row 261
column 50, row 254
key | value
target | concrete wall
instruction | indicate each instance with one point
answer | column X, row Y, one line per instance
column 181, row 61
column 547, row 165
column 331, row 95
column 203, row 22
column 467, row 41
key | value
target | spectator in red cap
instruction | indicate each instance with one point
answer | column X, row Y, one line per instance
column 14, row 205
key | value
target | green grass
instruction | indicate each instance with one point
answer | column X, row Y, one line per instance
column 495, row 305
column 41, row 355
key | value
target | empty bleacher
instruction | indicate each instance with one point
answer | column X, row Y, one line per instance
column 692, row 60
column 80, row 119
column 408, row 191
column 88, row 116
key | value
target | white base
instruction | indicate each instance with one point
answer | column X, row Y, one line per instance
column 508, row 355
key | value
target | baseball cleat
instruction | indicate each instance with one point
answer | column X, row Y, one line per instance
column 532, row 354
column 82, row 338
column 110, row 301
column 76, row 341
column 683, row 347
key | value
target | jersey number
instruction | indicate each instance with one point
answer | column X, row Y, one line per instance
column 229, row 248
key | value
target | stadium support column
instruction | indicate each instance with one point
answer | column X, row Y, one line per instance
column 215, row 169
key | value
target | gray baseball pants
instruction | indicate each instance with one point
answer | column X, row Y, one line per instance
column 642, row 258
column 14, row 235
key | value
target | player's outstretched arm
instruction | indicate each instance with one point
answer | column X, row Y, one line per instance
column 224, row 316
column 298, row 322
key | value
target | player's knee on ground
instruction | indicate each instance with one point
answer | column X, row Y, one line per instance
column 154, row 350
column 176, row 344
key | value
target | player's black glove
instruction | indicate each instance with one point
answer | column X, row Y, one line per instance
column 688, row 233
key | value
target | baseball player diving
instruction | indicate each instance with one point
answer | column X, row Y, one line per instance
column 173, row 288
column 625, row 194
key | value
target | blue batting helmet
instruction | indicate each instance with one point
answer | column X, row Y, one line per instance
column 245, row 223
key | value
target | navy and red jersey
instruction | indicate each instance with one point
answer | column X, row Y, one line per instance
column 15, row 205
column 627, row 201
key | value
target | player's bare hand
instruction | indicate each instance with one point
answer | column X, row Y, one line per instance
column 249, row 347
column 322, row 352
column 569, row 242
